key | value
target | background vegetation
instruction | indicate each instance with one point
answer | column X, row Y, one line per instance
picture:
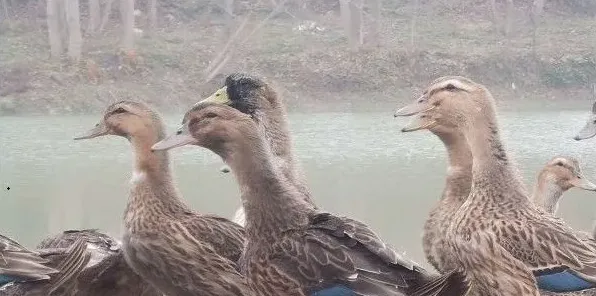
column 71, row 56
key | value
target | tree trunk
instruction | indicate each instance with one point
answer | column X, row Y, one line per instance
column 74, row 30
column 493, row 5
column 229, row 17
column 106, row 14
column 413, row 25
column 375, row 34
column 356, row 23
column 94, row 16
column 152, row 15
column 127, row 8
column 344, row 7
column 53, row 15
column 5, row 8
column 509, row 17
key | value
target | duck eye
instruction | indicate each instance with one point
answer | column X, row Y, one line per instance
column 210, row 115
column 119, row 110
column 450, row 87
column 559, row 163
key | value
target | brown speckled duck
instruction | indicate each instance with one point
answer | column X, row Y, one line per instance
column 502, row 242
column 179, row 251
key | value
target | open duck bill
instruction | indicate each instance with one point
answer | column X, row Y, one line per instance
column 181, row 138
column 219, row 97
column 100, row 129
column 588, row 131
column 583, row 183
column 418, row 122
column 416, row 107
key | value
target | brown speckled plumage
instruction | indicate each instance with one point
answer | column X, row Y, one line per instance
column 43, row 272
column 107, row 273
column 292, row 248
column 499, row 236
column 178, row 251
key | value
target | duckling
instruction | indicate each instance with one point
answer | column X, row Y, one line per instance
column 107, row 272
column 178, row 251
column 253, row 96
column 292, row 248
column 558, row 175
column 40, row 272
column 504, row 243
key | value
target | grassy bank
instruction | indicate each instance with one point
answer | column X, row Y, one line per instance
column 311, row 66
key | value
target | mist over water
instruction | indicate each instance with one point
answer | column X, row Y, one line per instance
column 357, row 164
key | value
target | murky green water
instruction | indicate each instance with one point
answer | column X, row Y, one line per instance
column 358, row 165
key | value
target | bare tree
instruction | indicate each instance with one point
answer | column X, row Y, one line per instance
column 535, row 17
column 351, row 15
column 107, row 11
column 5, row 9
column 94, row 16
column 375, row 10
column 152, row 14
column 53, row 18
column 509, row 16
column 74, row 29
column 127, row 8
column 493, row 5
column 413, row 25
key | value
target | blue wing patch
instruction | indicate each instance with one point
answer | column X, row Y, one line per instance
column 564, row 281
column 335, row 291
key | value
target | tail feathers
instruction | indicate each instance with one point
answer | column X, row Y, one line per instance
column 452, row 283
column 75, row 261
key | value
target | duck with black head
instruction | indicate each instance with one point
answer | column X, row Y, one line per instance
column 293, row 248
column 253, row 96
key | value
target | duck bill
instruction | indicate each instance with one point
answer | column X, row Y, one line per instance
column 588, row 131
column 218, row 97
column 413, row 108
column 583, row 183
column 418, row 123
column 100, row 129
column 179, row 139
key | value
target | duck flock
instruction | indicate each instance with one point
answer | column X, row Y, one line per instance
column 486, row 235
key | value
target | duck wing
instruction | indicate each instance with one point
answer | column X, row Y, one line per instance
column 20, row 264
column 559, row 257
column 337, row 252
column 225, row 236
column 173, row 257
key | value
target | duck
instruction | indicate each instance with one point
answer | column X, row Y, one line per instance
column 40, row 272
column 107, row 272
column 587, row 132
column 292, row 247
column 589, row 129
column 177, row 250
column 457, row 186
column 502, row 242
column 255, row 97
column 560, row 174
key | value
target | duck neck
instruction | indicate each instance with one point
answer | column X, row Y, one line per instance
column 546, row 194
column 152, row 187
column 459, row 170
column 275, row 127
column 491, row 168
column 271, row 203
